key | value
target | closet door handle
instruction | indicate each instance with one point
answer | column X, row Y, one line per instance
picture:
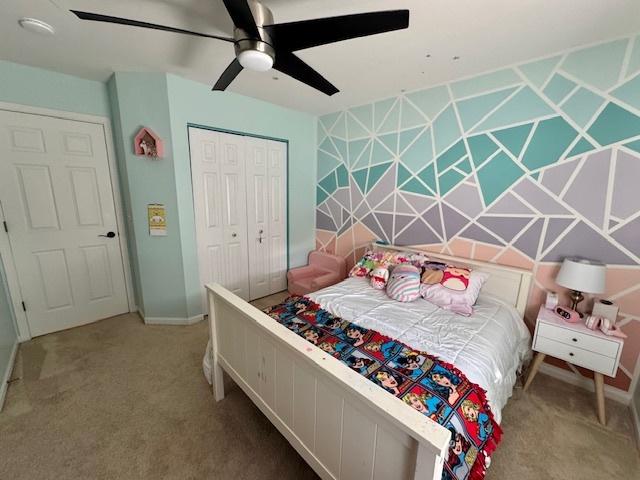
column 234, row 235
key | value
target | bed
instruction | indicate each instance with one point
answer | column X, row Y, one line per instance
column 344, row 426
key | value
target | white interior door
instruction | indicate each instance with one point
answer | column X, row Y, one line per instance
column 56, row 193
column 219, row 194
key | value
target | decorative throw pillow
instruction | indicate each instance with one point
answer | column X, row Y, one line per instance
column 404, row 283
column 379, row 277
column 418, row 260
column 371, row 260
column 364, row 265
column 460, row 302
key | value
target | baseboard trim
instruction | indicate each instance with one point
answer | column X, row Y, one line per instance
column 7, row 375
column 586, row 383
column 170, row 320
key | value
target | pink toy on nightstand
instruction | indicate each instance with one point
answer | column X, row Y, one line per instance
column 323, row 270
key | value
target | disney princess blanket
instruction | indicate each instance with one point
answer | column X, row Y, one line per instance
column 431, row 386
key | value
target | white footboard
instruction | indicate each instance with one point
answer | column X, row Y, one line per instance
column 342, row 424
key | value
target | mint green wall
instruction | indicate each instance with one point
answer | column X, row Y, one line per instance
column 140, row 99
column 123, row 180
column 46, row 89
column 194, row 103
column 165, row 271
column 8, row 336
column 166, row 268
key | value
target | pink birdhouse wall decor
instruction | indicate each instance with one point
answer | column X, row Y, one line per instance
column 148, row 144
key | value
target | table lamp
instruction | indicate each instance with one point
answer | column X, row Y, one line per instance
column 581, row 275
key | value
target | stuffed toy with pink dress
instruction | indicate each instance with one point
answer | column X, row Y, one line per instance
column 453, row 278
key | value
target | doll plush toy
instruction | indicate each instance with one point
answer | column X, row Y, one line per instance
column 379, row 277
column 453, row 278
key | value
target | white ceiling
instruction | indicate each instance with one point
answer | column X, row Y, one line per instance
column 486, row 34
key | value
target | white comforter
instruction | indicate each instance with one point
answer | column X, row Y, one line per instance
column 488, row 347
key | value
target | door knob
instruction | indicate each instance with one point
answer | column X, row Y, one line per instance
column 108, row 235
column 234, row 235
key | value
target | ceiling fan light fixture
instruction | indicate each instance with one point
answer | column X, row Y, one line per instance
column 255, row 60
column 261, row 44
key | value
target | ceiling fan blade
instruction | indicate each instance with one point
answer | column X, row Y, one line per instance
column 312, row 33
column 228, row 76
column 293, row 66
column 242, row 17
column 96, row 17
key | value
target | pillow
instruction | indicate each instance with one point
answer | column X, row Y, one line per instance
column 371, row 260
column 379, row 277
column 460, row 302
column 404, row 283
column 364, row 265
column 418, row 260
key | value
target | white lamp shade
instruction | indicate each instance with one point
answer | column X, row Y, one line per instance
column 582, row 275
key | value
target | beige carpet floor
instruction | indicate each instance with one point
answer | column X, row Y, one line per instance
column 121, row 400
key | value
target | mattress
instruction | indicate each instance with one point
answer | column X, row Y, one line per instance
column 489, row 346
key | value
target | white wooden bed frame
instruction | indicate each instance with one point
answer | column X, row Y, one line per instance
column 343, row 425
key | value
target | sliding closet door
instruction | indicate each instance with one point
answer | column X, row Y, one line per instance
column 266, row 216
column 218, row 174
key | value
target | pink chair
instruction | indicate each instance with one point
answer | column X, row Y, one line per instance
column 323, row 270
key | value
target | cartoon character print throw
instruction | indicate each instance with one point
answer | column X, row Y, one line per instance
column 432, row 387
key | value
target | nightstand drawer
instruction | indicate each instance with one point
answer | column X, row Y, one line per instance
column 577, row 356
column 599, row 345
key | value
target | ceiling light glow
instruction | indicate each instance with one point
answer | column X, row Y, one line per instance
column 255, row 60
column 36, row 26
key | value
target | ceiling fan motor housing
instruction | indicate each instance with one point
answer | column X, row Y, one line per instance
column 244, row 41
column 258, row 40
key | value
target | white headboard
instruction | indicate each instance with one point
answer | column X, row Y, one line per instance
column 509, row 284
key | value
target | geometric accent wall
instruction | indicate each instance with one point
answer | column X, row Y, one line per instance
column 522, row 166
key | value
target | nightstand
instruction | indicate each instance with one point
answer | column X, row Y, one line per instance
column 576, row 344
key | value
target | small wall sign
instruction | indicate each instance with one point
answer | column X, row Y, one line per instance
column 157, row 216
column 148, row 144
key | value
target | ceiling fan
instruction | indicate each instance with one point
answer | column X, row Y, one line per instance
column 261, row 45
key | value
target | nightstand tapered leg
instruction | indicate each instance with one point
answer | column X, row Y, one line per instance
column 534, row 369
column 598, row 379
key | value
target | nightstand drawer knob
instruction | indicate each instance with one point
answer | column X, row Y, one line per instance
column 571, row 354
column 574, row 339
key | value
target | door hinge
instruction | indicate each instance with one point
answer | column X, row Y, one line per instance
column 6, row 228
column 24, row 307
